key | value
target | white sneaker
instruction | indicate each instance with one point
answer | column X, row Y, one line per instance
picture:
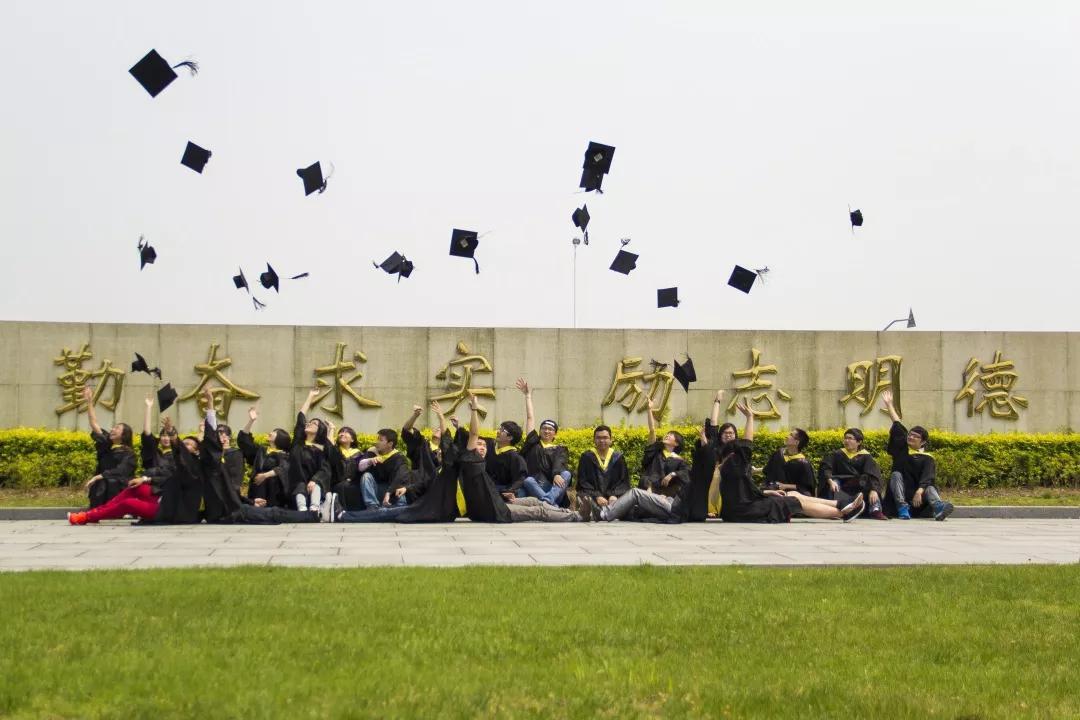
column 328, row 509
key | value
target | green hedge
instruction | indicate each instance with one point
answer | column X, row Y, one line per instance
column 32, row 458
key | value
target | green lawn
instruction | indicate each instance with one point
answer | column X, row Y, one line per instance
column 944, row 642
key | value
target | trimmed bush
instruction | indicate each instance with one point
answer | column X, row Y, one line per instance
column 32, row 458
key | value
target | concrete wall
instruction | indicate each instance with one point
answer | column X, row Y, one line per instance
column 570, row 370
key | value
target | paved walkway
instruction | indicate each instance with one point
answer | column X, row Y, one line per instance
column 26, row 545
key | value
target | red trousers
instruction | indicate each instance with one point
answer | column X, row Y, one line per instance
column 139, row 501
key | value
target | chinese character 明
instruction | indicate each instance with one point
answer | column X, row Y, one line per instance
column 74, row 379
column 458, row 374
column 341, row 385
column 997, row 379
column 223, row 396
column 867, row 379
column 659, row 380
column 756, row 383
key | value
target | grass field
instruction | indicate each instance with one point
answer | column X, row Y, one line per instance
column 956, row 642
column 76, row 497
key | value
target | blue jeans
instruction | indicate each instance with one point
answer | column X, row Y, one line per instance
column 547, row 491
column 372, row 493
column 369, row 516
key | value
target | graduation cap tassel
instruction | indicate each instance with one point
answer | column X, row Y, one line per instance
column 301, row 275
column 322, row 188
column 191, row 65
column 258, row 304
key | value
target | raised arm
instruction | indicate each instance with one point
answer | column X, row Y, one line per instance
column 91, row 414
column 717, row 402
column 253, row 415
column 652, row 422
column 474, row 423
column 437, row 409
column 312, row 394
column 748, row 431
column 147, row 428
column 886, row 399
column 530, row 418
column 416, row 410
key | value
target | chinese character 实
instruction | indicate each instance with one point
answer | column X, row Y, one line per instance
column 867, row 379
column 754, row 383
column 659, row 380
column 341, row 385
column 997, row 379
column 458, row 374
column 222, row 396
column 74, row 379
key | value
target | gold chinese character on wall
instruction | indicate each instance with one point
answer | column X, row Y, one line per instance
column 867, row 379
column 997, row 379
column 658, row 381
column 458, row 375
column 341, row 385
column 224, row 395
column 74, row 379
column 756, row 384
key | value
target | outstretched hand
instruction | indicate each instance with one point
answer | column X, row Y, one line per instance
column 253, row 413
column 436, row 407
column 743, row 408
column 522, row 385
column 886, row 398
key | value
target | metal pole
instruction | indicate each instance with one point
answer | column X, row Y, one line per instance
column 574, row 293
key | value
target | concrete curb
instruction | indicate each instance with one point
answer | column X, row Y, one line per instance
column 1000, row 512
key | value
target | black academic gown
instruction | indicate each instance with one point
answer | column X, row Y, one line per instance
column 789, row 470
column 917, row 468
column 505, row 469
column 654, row 466
column 116, row 465
column 182, row 492
column 309, row 463
column 742, row 500
column 544, row 463
column 348, row 488
column 261, row 460
column 483, row 502
column 595, row 481
column 223, row 470
column 854, row 475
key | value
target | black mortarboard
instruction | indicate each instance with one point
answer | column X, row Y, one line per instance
column 139, row 365
column 147, row 254
column 742, row 279
column 396, row 263
column 195, row 157
column 270, row 279
column 166, row 396
column 597, row 164
column 581, row 220
column 667, row 297
column 154, row 74
column 313, row 178
column 856, row 218
column 240, row 281
column 463, row 243
column 624, row 262
column 685, row 373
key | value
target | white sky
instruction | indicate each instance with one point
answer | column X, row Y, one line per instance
column 739, row 139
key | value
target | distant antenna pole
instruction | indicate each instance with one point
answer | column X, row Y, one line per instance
column 576, row 241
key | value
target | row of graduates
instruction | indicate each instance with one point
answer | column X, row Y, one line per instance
column 306, row 478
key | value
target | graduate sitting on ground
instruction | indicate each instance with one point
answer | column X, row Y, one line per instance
column 546, row 461
column 384, row 471
column 602, row 473
column 269, row 466
column 852, row 471
column 485, row 500
column 310, row 459
column 913, row 481
column 788, row 468
column 115, row 457
column 743, row 501
column 348, row 488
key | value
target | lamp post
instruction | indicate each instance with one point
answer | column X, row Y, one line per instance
column 910, row 319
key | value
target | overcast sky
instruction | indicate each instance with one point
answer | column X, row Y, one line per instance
column 740, row 138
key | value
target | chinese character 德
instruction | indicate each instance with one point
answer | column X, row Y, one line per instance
column 997, row 379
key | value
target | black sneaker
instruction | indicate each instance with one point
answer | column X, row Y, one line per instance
column 587, row 509
column 942, row 510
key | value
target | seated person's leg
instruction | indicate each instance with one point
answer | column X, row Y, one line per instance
column 369, row 491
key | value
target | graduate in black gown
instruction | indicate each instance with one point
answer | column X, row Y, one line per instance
column 788, row 468
column 851, row 471
column 744, row 501
column 115, row 457
column 547, row 461
column 311, row 459
column 602, row 475
column 269, row 465
column 913, row 481
column 348, row 486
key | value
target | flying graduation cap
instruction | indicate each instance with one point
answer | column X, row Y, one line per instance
column 685, row 373
column 195, row 157
column 463, row 243
column 155, row 74
column 313, row 178
column 625, row 261
column 396, row 263
column 597, row 164
column 270, row 279
column 581, row 220
column 166, row 396
column 856, row 218
column 241, row 283
column 139, row 365
column 742, row 279
column 667, row 297
column 147, row 254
